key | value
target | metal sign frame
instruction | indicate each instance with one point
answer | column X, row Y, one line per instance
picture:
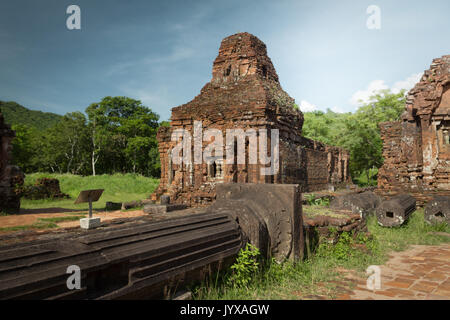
column 89, row 196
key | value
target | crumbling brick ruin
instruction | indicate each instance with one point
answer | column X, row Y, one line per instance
column 416, row 150
column 245, row 93
column 10, row 176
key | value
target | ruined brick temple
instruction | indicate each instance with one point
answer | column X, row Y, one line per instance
column 10, row 176
column 416, row 150
column 245, row 93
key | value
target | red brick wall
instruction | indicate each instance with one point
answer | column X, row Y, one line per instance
column 416, row 155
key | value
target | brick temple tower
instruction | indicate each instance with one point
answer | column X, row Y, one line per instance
column 245, row 94
column 416, row 150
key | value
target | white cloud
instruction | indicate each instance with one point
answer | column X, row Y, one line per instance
column 363, row 96
column 305, row 106
column 408, row 83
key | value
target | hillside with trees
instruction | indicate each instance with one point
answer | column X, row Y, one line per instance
column 16, row 114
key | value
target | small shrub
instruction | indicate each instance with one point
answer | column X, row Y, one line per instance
column 245, row 267
column 312, row 201
column 342, row 249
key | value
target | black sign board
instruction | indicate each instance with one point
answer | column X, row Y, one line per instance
column 89, row 196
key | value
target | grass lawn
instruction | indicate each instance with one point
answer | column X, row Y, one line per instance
column 318, row 274
column 118, row 188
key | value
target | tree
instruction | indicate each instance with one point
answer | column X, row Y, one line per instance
column 123, row 132
column 65, row 144
column 362, row 136
column 326, row 127
column 23, row 150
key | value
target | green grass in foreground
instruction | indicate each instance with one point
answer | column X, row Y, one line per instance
column 118, row 188
column 316, row 274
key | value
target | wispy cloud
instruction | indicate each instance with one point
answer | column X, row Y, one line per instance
column 178, row 53
column 306, row 106
column 408, row 83
column 361, row 97
column 158, row 98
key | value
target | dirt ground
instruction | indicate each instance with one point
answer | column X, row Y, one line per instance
column 30, row 216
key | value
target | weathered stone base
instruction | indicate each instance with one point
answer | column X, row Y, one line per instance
column 89, row 223
column 438, row 210
column 396, row 211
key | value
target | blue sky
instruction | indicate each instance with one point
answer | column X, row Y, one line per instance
column 161, row 52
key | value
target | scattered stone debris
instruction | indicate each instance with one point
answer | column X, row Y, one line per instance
column 112, row 206
column 416, row 150
column 438, row 210
column 363, row 203
column 131, row 204
column 329, row 225
column 395, row 211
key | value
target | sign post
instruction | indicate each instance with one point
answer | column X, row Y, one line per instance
column 89, row 196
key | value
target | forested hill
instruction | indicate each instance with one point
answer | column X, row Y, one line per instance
column 15, row 114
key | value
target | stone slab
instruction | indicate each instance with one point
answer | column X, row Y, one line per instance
column 89, row 223
column 163, row 208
